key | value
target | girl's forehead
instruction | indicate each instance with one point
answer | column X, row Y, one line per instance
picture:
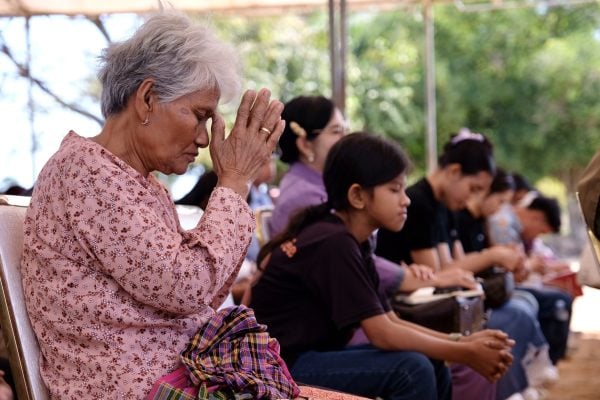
column 401, row 178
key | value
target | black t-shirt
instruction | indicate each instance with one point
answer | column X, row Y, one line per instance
column 426, row 226
column 471, row 231
column 316, row 298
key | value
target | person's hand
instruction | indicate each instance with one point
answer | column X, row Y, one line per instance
column 420, row 272
column 453, row 276
column 489, row 353
column 497, row 338
column 537, row 264
column 238, row 158
column 556, row 268
column 507, row 257
column 521, row 273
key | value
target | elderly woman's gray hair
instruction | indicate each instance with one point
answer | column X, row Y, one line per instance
column 181, row 57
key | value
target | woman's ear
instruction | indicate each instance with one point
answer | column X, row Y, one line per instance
column 453, row 171
column 305, row 147
column 145, row 99
column 357, row 196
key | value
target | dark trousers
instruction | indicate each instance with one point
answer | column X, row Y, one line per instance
column 555, row 317
column 367, row 371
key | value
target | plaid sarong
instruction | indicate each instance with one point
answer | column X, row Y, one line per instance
column 233, row 350
column 174, row 386
column 230, row 357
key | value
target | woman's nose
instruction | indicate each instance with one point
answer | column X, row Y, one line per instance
column 406, row 200
column 202, row 137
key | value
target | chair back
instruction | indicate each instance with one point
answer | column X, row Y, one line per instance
column 593, row 240
column 263, row 214
column 21, row 343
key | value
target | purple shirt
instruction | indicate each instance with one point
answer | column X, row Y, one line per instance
column 300, row 187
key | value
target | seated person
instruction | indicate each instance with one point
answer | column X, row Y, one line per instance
column 318, row 125
column 201, row 191
column 314, row 124
column 524, row 191
column 319, row 285
column 466, row 168
column 521, row 227
column 114, row 287
column 17, row 190
column 471, row 229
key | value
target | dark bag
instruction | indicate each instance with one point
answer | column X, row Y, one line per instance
column 498, row 286
column 449, row 314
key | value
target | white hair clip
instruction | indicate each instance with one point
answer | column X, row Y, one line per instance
column 466, row 134
column 297, row 129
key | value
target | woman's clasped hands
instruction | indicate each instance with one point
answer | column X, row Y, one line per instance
column 238, row 157
column 490, row 353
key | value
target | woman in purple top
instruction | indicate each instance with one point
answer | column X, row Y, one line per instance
column 314, row 124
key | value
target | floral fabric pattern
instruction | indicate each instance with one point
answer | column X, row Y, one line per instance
column 114, row 287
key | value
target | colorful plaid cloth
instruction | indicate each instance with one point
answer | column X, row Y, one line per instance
column 230, row 357
column 178, row 386
column 232, row 350
column 174, row 386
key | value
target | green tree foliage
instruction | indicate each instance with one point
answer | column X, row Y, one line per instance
column 287, row 53
column 527, row 78
column 385, row 76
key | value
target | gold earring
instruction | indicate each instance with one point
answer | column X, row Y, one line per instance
column 146, row 121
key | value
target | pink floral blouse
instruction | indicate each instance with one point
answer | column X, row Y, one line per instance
column 114, row 287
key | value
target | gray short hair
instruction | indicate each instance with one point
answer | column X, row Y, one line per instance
column 182, row 57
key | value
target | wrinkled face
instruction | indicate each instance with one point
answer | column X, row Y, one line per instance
column 492, row 202
column 389, row 203
column 459, row 189
column 335, row 129
column 534, row 224
column 176, row 130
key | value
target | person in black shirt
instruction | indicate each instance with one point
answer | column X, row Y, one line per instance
column 465, row 170
column 531, row 344
column 471, row 220
column 319, row 285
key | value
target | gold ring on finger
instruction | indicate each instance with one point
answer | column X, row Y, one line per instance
column 265, row 130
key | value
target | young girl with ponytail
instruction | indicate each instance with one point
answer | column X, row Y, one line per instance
column 319, row 285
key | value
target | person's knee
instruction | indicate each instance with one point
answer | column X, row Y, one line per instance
column 416, row 370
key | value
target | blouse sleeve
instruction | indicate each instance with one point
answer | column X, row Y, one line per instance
column 125, row 234
column 342, row 282
column 287, row 205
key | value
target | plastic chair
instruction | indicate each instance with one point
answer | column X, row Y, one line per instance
column 21, row 343
column 262, row 215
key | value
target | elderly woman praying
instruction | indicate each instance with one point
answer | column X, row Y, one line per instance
column 115, row 288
